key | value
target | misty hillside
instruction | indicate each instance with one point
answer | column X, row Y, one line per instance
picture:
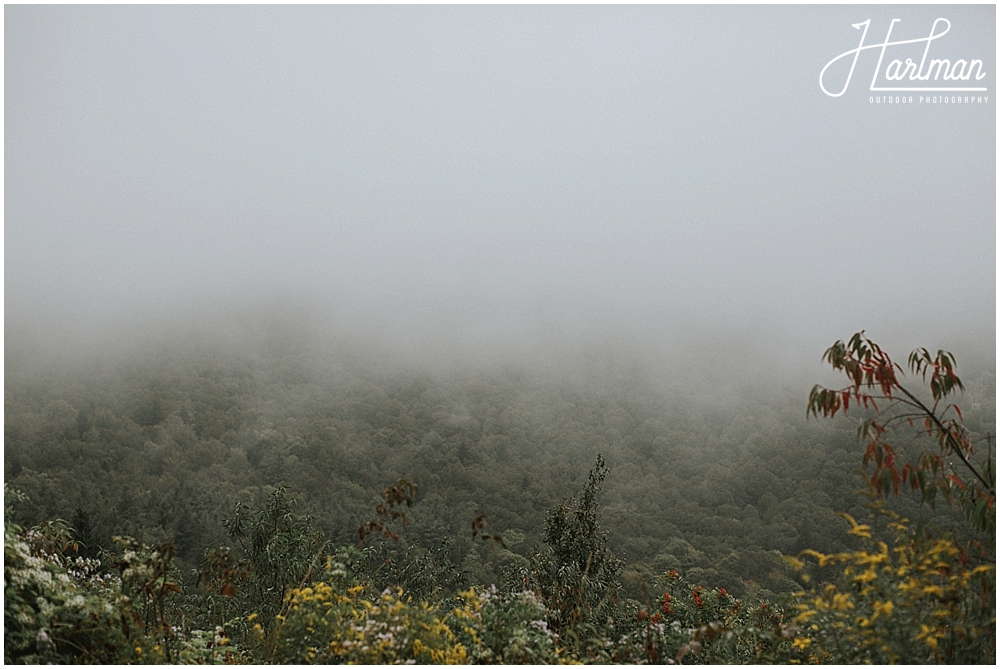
column 161, row 444
column 495, row 334
column 164, row 443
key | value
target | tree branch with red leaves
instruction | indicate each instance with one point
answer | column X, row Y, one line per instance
column 874, row 384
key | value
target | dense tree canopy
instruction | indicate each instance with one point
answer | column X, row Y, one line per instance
column 238, row 476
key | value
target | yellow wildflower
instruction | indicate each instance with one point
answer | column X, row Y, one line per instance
column 820, row 557
column 863, row 531
column 842, row 602
column 929, row 636
column 795, row 563
column 804, row 616
column 883, row 607
column 933, row 590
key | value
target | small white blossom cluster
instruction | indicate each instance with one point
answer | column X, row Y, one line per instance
column 389, row 636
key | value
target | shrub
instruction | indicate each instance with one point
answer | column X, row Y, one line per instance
column 48, row 618
column 504, row 628
column 329, row 621
column 922, row 600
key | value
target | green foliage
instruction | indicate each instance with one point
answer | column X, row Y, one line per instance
column 425, row 574
column 576, row 572
column 280, row 550
column 703, row 503
column 148, row 577
column 63, row 608
column 85, row 541
column 48, row 618
column 737, row 481
column 504, row 628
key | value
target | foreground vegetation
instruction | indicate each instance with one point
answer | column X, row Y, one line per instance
column 704, row 562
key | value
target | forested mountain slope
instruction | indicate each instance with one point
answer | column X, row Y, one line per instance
column 161, row 444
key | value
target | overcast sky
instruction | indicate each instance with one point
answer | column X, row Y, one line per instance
column 495, row 168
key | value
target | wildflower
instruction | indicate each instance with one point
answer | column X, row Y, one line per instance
column 801, row 643
column 842, row 602
column 805, row 616
column 883, row 607
column 795, row 563
column 863, row 531
column 822, row 559
column 929, row 636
